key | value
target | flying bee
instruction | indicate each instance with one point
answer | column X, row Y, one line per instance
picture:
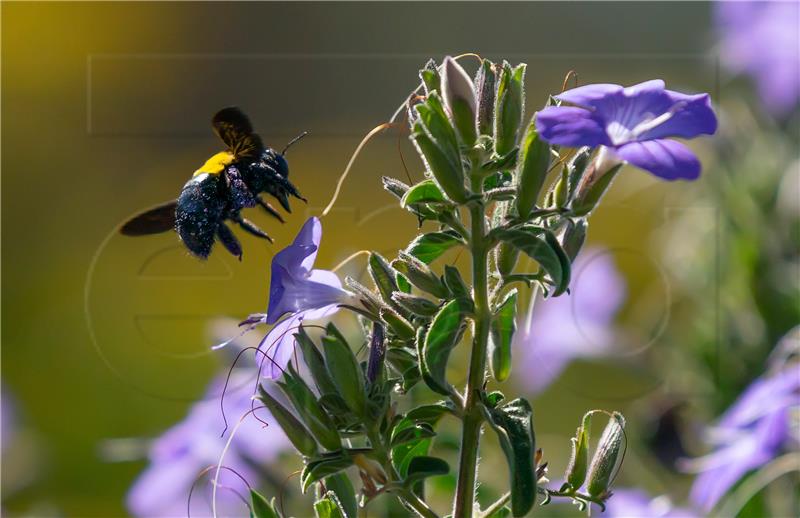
column 226, row 183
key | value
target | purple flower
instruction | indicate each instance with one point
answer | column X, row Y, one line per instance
column 762, row 40
column 634, row 503
column 578, row 325
column 180, row 455
column 633, row 123
column 754, row 430
column 296, row 288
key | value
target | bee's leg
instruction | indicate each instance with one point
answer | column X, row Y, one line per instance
column 229, row 240
column 250, row 227
column 270, row 209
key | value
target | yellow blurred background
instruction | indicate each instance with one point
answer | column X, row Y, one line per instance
column 105, row 111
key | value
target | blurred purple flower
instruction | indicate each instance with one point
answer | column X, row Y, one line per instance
column 296, row 288
column 753, row 431
column 634, row 503
column 180, row 455
column 762, row 40
column 632, row 124
column 578, row 325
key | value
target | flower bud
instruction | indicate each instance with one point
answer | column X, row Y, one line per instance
column 605, row 457
column 532, row 170
column 595, row 182
column 418, row 306
column 509, row 107
column 459, row 100
column 436, row 141
column 561, row 189
column 485, row 81
column 579, row 460
column 420, row 275
column 291, row 426
column 574, row 238
column 399, row 325
column 506, row 258
column 430, row 77
column 377, row 352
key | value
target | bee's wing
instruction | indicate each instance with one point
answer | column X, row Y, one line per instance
column 234, row 128
column 154, row 221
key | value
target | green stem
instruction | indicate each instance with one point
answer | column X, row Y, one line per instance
column 497, row 505
column 473, row 418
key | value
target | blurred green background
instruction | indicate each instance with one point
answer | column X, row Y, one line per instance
column 105, row 110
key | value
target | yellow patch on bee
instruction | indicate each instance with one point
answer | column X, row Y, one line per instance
column 216, row 164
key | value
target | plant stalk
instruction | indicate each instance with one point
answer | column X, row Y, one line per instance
column 473, row 417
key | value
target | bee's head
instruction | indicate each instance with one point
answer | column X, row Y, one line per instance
column 281, row 164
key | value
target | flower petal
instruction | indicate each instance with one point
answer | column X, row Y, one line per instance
column 651, row 86
column 666, row 159
column 301, row 254
column 692, row 115
column 587, row 95
column 278, row 346
column 572, row 127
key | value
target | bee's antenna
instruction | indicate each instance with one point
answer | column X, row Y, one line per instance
column 293, row 141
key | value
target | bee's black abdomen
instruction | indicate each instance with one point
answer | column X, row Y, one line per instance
column 199, row 213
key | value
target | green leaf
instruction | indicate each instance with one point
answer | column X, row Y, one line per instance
column 291, row 426
column 423, row 466
column 532, row 171
column 383, row 275
column 340, row 485
column 260, row 507
column 543, row 247
column 428, row 247
column 344, row 369
column 455, row 283
column 330, row 507
column 316, row 364
column 308, row 408
column 318, row 469
column 502, row 332
column 402, row 283
column 403, row 454
column 424, row 192
column 409, row 434
column 430, row 414
column 444, row 333
column 513, row 423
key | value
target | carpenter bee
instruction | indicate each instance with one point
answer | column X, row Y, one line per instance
column 228, row 182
